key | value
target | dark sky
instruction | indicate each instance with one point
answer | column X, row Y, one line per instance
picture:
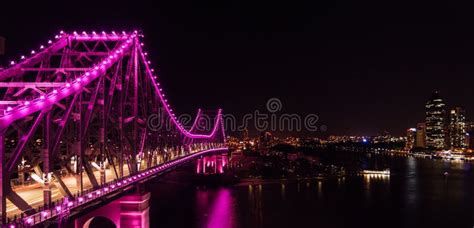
column 363, row 67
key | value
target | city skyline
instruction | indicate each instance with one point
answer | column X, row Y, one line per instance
column 449, row 122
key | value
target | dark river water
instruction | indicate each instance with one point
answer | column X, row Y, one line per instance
column 417, row 194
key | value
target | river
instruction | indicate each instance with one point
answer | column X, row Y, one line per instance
column 417, row 194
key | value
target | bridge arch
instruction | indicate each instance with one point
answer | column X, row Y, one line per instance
column 109, row 212
column 99, row 221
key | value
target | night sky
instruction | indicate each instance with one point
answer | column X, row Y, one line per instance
column 363, row 67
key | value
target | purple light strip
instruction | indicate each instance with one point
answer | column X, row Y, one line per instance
column 62, row 39
column 110, row 188
column 169, row 110
column 70, row 88
column 107, row 37
column 15, row 67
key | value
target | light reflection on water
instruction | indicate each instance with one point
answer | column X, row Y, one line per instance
column 417, row 194
column 222, row 210
column 320, row 189
column 283, row 191
column 411, row 177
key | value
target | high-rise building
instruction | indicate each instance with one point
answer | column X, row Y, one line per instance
column 411, row 136
column 470, row 135
column 420, row 140
column 435, row 114
column 457, row 129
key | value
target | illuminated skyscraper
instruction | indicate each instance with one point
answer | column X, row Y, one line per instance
column 420, row 140
column 435, row 113
column 411, row 136
column 470, row 135
column 457, row 129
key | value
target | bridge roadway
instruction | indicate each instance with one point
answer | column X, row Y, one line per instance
column 35, row 195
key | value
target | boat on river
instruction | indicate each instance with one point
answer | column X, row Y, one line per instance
column 385, row 172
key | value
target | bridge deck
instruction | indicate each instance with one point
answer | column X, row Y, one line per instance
column 108, row 189
column 33, row 194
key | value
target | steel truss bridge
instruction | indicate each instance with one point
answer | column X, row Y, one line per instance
column 79, row 107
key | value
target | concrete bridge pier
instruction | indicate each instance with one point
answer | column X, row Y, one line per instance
column 135, row 211
column 213, row 164
column 130, row 211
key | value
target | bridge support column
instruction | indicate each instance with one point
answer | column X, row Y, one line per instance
column 199, row 166
column 213, row 164
column 47, row 160
column 102, row 175
column 134, row 211
column 219, row 164
column 21, row 172
column 47, row 190
column 222, row 163
column 76, row 148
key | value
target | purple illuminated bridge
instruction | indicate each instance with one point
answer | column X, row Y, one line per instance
column 83, row 119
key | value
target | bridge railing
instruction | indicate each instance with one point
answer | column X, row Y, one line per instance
column 66, row 205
